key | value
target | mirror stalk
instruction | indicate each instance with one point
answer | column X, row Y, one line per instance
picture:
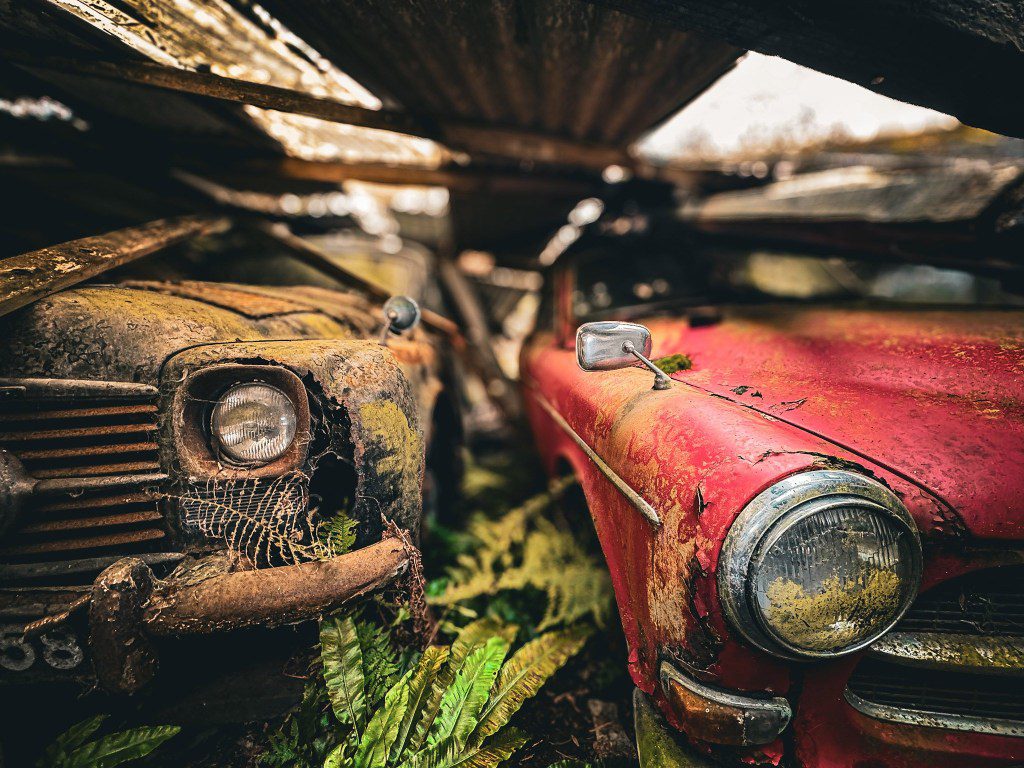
column 661, row 380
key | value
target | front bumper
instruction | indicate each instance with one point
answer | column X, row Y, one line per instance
column 129, row 607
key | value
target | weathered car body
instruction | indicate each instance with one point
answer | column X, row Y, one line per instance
column 924, row 402
column 122, row 521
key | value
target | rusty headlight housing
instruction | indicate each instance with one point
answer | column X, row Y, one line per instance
column 819, row 565
column 253, row 423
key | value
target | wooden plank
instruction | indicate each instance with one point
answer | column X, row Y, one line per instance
column 472, row 180
column 506, row 142
column 533, row 146
column 213, row 86
column 312, row 256
column 37, row 274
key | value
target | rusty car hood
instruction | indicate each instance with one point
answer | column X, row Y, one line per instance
column 126, row 332
column 934, row 396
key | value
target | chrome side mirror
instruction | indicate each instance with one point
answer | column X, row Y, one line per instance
column 401, row 314
column 609, row 345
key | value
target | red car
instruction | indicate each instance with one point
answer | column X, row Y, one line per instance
column 814, row 522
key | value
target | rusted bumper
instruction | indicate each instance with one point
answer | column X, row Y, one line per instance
column 718, row 717
column 129, row 606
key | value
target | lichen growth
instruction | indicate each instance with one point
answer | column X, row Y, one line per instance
column 673, row 363
column 400, row 443
column 837, row 615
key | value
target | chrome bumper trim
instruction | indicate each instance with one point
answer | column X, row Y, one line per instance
column 975, row 654
column 925, row 719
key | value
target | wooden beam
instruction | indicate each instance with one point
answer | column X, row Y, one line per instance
column 499, row 387
column 213, row 86
column 529, row 145
column 470, row 180
column 474, row 138
column 312, row 256
column 37, row 274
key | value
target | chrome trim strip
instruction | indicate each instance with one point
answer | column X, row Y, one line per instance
column 985, row 655
column 635, row 498
column 58, row 389
column 925, row 719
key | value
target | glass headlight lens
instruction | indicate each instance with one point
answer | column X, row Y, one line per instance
column 253, row 423
column 820, row 565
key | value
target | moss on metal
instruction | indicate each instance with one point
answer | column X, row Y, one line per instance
column 834, row 616
column 674, row 363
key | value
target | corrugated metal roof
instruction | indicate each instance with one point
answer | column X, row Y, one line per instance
column 562, row 67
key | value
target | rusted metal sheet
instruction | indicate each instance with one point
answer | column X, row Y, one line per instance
column 957, row 192
column 960, row 58
column 516, row 66
column 32, row 276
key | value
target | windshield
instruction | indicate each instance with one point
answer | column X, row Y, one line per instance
column 616, row 281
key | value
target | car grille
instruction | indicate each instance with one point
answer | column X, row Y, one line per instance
column 955, row 660
column 989, row 602
column 938, row 691
column 92, row 448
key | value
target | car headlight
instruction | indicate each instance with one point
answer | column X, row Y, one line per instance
column 819, row 565
column 253, row 423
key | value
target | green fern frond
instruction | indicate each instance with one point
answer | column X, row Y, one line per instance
column 383, row 727
column 463, row 701
column 73, row 737
column 449, row 754
column 381, row 663
column 420, row 686
column 471, row 637
column 478, row 574
column 493, row 752
column 342, row 659
column 555, row 563
column 119, row 748
column 336, row 535
column 524, row 674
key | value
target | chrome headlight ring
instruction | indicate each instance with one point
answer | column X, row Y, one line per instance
column 799, row 618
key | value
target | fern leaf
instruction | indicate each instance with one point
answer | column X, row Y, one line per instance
column 336, row 535
column 336, row 757
column 471, row 637
column 462, row 702
column 555, row 563
column 73, row 737
column 383, row 727
column 343, row 670
column 118, row 748
column 449, row 754
column 420, row 686
column 479, row 573
column 524, row 674
column 380, row 661
column 501, row 747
